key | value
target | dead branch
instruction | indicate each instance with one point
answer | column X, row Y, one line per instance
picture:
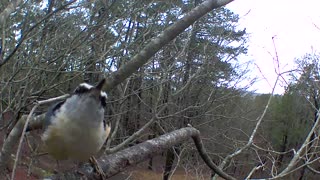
column 124, row 72
column 297, row 156
column 227, row 159
column 164, row 38
column 114, row 163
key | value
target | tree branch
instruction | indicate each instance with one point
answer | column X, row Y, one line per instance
column 118, row 77
column 15, row 133
column 297, row 156
column 114, row 163
column 157, row 43
column 8, row 10
column 24, row 36
column 227, row 159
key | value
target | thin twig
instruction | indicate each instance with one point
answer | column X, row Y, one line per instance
column 8, row 10
column 253, row 134
column 254, row 170
column 298, row 154
column 206, row 158
column 21, row 139
column 24, row 36
column 37, row 104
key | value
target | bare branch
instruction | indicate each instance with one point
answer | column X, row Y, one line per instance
column 24, row 36
column 21, row 139
column 13, row 137
column 298, row 154
column 164, row 38
column 253, row 170
column 131, row 138
column 8, row 10
column 144, row 150
column 117, row 162
column 253, row 134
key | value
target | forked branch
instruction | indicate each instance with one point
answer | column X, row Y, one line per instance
column 114, row 163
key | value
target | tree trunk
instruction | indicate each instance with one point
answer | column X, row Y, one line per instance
column 283, row 149
column 313, row 136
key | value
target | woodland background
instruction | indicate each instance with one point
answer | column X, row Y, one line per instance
column 48, row 48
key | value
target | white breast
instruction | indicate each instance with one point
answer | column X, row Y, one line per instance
column 68, row 140
column 76, row 134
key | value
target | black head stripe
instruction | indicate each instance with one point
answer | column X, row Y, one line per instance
column 83, row 88
column 86, row 88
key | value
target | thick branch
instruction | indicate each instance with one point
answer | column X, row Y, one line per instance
column 117, row 162
column 125, row 71
column 164, row 38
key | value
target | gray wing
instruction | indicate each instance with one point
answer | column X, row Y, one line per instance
column 51, row 112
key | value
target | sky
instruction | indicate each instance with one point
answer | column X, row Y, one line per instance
column 295, row 26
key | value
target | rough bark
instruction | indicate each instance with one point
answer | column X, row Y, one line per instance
column 117, row 162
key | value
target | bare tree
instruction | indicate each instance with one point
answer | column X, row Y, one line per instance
column 113, row 79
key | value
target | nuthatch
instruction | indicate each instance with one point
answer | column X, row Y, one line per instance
column 75, row 128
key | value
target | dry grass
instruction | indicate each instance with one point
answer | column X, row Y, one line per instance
column 143, row 174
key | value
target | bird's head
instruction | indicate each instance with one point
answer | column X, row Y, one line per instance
column 94, row 92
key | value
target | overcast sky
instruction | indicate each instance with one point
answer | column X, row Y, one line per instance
column 291, row 22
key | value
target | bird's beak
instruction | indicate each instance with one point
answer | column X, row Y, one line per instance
column 96, row 92
column 101, row 84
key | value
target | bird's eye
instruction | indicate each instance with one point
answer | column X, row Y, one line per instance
column 103, row 99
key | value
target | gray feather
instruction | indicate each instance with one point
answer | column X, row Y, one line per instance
column 51, row 113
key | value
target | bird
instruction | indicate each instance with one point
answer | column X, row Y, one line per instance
column 75, row 128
